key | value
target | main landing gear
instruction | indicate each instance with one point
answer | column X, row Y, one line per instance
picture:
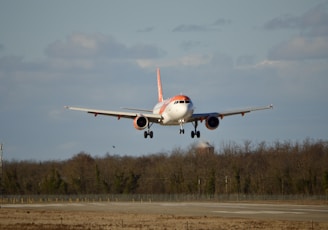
column 149, row 132
column 195, row 133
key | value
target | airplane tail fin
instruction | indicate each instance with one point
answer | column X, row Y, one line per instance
column 159, row 86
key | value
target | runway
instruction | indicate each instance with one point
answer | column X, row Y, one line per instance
column 315, row 213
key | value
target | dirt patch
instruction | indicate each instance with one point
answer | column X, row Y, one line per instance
column 30, row 219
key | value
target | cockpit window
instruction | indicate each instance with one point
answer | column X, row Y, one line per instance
column 182, row 102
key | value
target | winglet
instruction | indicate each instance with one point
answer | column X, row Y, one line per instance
column 159, row 86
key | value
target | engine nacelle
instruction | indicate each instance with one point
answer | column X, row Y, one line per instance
column 140, row 122
column 212, row 122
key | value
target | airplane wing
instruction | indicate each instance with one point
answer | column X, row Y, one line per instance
column 203, row 116
column 136, row 109
column 152, row 117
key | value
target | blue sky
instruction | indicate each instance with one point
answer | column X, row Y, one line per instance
column 104, row 55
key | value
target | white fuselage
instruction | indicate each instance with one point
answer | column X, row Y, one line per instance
column 175, row 110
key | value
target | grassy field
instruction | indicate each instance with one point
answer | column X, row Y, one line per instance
column 46, row 219
column 43, row 218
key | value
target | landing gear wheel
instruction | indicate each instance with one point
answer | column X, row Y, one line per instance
column 195, row 133
column 181, row 122
column 148, row 133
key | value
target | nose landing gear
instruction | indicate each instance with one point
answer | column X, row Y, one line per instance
column 181, row 126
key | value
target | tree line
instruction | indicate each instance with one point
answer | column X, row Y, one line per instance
column 260, row 169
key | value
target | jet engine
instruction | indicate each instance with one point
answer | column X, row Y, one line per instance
column 140, row 122
column 212, row 122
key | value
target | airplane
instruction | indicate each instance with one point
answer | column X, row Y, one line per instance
column 176, row 110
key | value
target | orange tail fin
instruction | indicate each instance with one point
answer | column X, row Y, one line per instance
column 159, row 86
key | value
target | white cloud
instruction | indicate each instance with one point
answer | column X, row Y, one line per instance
column 202, row 28
column 312, row 40
column 88, row 42
column 193, row 60
column 80, row 45
column 312, row 20
column 291, row 80
column 300, row 48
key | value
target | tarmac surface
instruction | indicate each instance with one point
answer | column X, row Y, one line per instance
column 291, row 212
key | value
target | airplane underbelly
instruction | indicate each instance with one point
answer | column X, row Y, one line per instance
column 172, row 119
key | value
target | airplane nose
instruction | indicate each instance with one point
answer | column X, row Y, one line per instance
column 183, row 110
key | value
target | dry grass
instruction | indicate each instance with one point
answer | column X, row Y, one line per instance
column 11, row 218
